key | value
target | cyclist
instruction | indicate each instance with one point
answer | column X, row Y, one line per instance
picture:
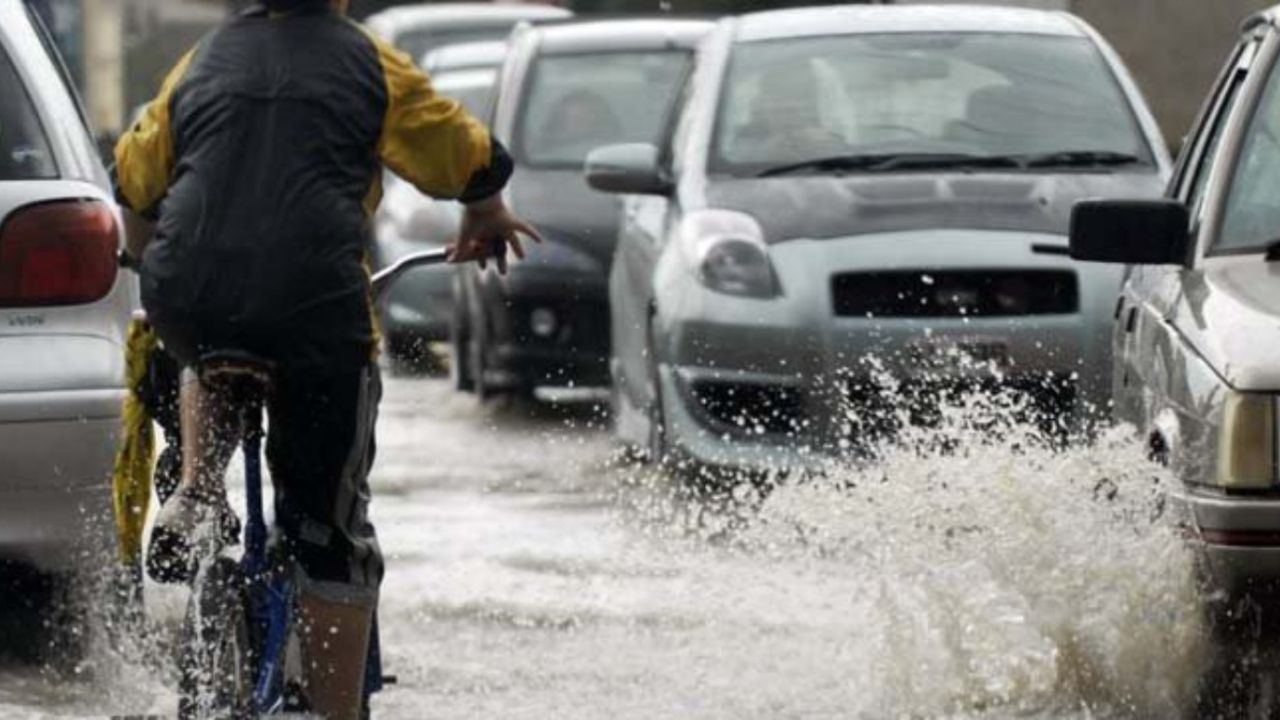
column 248, row 184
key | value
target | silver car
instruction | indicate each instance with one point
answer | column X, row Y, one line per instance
column 858, row 182
column 419, row 29
column 419, row 309
column 1198, row 336
column 64, row 309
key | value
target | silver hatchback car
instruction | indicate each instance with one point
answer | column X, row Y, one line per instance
column 64, row 310
column 859, row 182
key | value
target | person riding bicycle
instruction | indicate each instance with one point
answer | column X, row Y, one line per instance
column 248, row 185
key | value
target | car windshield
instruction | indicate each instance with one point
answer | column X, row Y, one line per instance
column 418, row 43
column 576, row 103
column 947, row 95
column 472, row 87
column 24, row 149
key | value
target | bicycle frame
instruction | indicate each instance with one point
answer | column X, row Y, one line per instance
column 270, row 594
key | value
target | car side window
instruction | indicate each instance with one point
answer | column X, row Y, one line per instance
column 24, row 148
column 1209, row 140
column 55, row 57
column 1251, row 219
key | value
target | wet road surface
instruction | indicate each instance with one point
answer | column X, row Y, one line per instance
column 533, row 575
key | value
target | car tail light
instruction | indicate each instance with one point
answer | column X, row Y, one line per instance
column 58, row 253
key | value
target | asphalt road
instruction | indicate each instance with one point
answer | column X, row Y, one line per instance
column 532, row 575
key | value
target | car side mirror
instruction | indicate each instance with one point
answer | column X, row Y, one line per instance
column 1133, row 232
column 630, row 169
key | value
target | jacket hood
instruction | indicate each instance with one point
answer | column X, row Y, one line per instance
column 824, row 207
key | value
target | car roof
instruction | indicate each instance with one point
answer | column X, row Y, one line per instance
column 1269, row 16
column 620, row 34
column 456, row 56
column 402, row 18
column 880, row 19
column 10, row 14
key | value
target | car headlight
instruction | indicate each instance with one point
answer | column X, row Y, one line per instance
column 728, row 253
column 1246, row 442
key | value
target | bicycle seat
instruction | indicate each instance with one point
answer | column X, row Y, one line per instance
column 232, row 366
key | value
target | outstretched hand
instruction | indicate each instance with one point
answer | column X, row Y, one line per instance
column 489, row 229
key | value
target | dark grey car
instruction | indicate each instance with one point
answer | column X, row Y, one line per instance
column 863, row 194
column 419, row 309
column 565, row 89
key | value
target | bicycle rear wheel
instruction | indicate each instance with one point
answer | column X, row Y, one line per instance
column 216, row 662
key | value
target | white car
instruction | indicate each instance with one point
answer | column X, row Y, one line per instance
column 64, row 309
column 419, row 29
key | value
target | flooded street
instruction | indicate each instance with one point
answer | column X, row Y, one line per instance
column 533, row 575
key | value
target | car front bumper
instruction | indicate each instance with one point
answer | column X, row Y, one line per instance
column 805, row 364
column 1236, row 536
column 420, row 305
column 548, row 329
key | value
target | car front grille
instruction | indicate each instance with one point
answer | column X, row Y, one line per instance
column 751, row 408
column 955, row 293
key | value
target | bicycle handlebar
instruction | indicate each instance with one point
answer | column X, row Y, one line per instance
column 384, row 278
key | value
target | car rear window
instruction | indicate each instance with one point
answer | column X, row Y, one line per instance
column 24, row 148
column 576, row 103
column 421, row 42
column 473, row 87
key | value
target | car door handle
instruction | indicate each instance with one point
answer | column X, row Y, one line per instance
column 1131, row 322
column 1119, row 308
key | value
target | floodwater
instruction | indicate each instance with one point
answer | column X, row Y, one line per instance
column 532, row 574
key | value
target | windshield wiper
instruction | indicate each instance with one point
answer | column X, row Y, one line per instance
column 1079, row 158
column 886, row 162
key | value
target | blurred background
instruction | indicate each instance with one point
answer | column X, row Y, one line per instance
column 119, row 50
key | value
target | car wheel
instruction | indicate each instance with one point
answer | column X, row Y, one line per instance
column 1237, row 684
column 476, row 351
column 43, row 618
column 460, row 371
column 411, row 355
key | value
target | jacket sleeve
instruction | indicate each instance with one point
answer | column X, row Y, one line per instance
column 144, row 155
column 432, row 141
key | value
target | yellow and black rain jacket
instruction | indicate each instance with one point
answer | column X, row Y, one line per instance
column 261, row 162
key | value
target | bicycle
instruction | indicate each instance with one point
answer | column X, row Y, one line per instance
column 240, row 651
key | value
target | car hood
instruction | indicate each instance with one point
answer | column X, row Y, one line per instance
column 1230, row 315
column 827, row 207
column 559, row 203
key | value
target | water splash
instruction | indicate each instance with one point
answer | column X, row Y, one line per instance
column 1003, row 570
